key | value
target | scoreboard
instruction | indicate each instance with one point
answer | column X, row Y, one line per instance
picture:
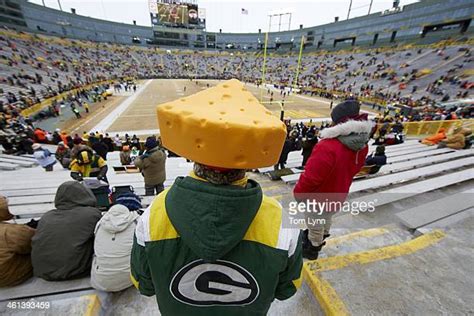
column 178, row 14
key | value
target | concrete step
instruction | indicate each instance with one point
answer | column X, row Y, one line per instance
column 8, row 166
column 130, row 302
column 344, row 241
column 21, row 163
column 21, row 158
column 74, row 303
column 409, row 278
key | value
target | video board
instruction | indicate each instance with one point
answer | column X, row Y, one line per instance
column 172, row 14
column 176, row 13
column 193, row 15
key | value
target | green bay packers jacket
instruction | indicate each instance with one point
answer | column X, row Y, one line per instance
column 206, row 249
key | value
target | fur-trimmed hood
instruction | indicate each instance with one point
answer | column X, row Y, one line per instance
column 354, row 134
column 346, row 128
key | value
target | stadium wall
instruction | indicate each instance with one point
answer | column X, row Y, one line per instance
column 376, row 29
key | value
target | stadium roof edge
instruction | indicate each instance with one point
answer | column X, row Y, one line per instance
column 309, row 28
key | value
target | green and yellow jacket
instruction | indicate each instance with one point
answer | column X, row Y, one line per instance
column 206, row 249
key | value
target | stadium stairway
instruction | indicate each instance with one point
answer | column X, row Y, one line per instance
column 11, row 162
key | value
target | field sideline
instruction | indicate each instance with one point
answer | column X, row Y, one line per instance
column 140, row 115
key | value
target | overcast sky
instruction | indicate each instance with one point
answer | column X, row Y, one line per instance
column 226, row 14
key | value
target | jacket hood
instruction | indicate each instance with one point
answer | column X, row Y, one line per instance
column 154, row 154
column 117, row 219
column 463, row 131
column 73, row 194
column 212, row 219
column 353, row 134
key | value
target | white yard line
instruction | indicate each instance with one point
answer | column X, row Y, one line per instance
column 115, row 114
column 139, row 115
column 371, row 114
column 138, row 133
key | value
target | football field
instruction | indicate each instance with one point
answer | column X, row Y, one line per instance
column 137, row 112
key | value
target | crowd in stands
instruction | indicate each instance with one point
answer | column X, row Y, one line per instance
column 74, row 240
column 33, row 69
column 61, row 246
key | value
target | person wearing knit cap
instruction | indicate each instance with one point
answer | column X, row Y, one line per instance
column 113, row 242
column 152, row 165
column 125, row 158
column 330, row 169
column 78, row 146
column 213, row 243
column 63, row 155
column 15, row 249
column 88, row 164
column 130, row 200
column 44, row 157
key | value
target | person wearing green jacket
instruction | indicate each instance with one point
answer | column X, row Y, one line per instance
column 213, row 243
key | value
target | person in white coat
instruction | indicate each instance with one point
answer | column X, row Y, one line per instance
column 113, row 245
column 44, row 157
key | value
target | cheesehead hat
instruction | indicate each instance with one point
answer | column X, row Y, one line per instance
column 223, row 126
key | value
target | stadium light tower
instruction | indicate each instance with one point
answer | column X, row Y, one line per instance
column 370, row 6
column 280, row 14
column 60, row 7
column 348, row 12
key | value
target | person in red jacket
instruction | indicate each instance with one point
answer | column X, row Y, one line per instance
column 40, row 135
column 333, row 163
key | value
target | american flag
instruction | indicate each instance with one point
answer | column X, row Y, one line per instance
column 244, row 11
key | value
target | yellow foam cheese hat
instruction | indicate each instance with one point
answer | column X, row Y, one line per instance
column 224, row 126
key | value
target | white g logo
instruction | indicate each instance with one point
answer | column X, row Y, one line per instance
column 218, row 283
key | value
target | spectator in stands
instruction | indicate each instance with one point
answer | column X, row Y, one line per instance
column 125, row 158
column 44, row 157
column 88, row 164
column 389, row 139
column 15, row 249
column 378, row 158
column 65, row 137
column 152, row 164
column 291, row 144
column 134, row 153
column 63, row 155
column 118, row 142
column 40, row 136
column 135, row 142
column 458, row 140
column 56, row 137
column 374, row 162
column 216, row 245
column 113, row 245
column 100, row 147
column 108, row 142
column 64, row 241
column 308, row 144
column 78, row 146
column 435, row 139
column 334, row 162
column 85, row 136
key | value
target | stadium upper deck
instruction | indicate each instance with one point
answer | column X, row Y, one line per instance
column 424, row 22
column 40, row 67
